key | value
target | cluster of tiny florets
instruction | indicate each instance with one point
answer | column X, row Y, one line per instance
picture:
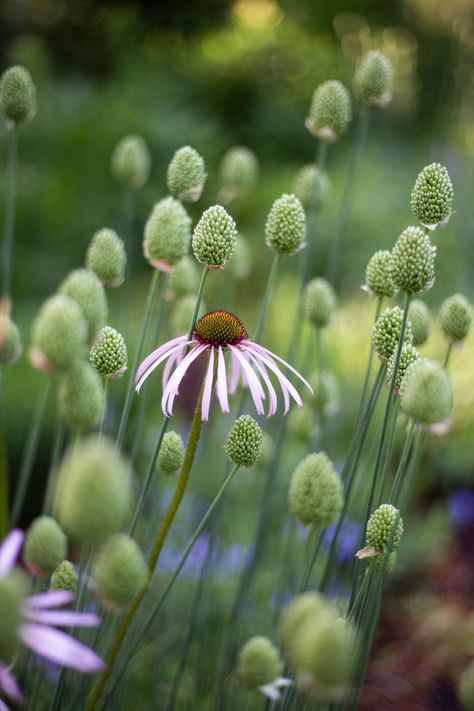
column 10, row 340
column 386, row 332
column 81, row 396
column 408, row 355
column 106, row 257
column 258, row 663
column 219, row 328
column 65, row 577
column 412, row 263
column 455, row 317
column 17, row 96
column 171, row 453
column 385, row 529
column 311, row 186
column 109, row 353
column 131, row 162
column 45, row 546
column 285, row 228
column 378, row 274
column 186, row 174
column 214, row 237
column 320, row 302
column 432, row 196
column 167, row 234
column 426, row 392
column 330, row 111
column 238, row 171
column 82, row 287
column 373, row 79
column 119, row 572
column 315, row 494
column 244, row 441
column 419, row 315
column 59, row 334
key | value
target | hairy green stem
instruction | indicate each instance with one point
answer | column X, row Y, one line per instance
column 9, row 229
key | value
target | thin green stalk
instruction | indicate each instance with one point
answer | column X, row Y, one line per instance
column 378, row 308
column 402, row 497
column 9, row 229
column 398, row 480
column 104, row 407
column 30, row 450
column 194, row 435
column 55, row 456
column 388, row 452
column 4, row 515
column 266, row 298
column 447, row 355
column 309, row 569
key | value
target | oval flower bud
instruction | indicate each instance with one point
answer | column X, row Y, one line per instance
column 325, row 649
column 432, row 196
column 296, row 615
column 285, row 228
column 11, row 597
column 184, row 278
column 94, row 491
column 109, row 354
column 238, row 172
column 315, row 494
column 408, row 355
column 326, row 391
column 385, row 529
column 244, row 441
column 59, row 334
column 10, row 341
column 320, row 302
column 106, row 257
column 65, row 577
column 386, row 333
column 378, row 275
column 186, row 174
column 214, row 238
column 419, row 315
column 330, row 111
column 425, row 393
column 81, row 286
column 171, row 454
column 373, row 79
column 466, row 688
column 258, row 663
column 131, row 162
column 81, row 397
column 241, row 262
column 311, row 186
column 167, row 234
column 120, row 571
column 301, row 423
column 455, row 317
column 45, row 546
column 17, row 96
column 412, row 263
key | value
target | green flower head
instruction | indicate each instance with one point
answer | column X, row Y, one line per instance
column 425, row 393
column 412, row 263
column 385, row 529
column 311, row 186
column 167, row 234
column 408, row 355
column 65, row 577
column 432, row 196
column 109, row 353
column 244, row 441
column 17, row 96
column 82, row 287
column 81, row 397
column 320, row 302
column 378, row 275
column 106, row 257
column 330, row 111
column 315, row 494
column 184, row 278
column 258, row 663
column 373, row 79
column 285, row 229
column 386, row 333
column 119, row 571
column 238, row 172
column 419, row 315
column 10, row 341
column 186, row 174
column 45, row 546
column 171, row 454
column 455, row 317
column 214, row 238
column 131, row 162
column 59, row 335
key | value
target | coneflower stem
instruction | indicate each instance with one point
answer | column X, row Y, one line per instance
column 9, row 228
column 266, row 298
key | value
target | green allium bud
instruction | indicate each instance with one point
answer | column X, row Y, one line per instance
column 320, row 302
column 385, row 528
column 385, row 562
column 258, row 663
column 425, row 393
column 412, row 263
column 131, row 162
column 408, row 356
column 432, row 196
column 244, row 441
column 266, row 451
column 419, row 316
column 315, row 494
column 109, row 354
column 94, row 491
column 106, row 257
column 81, row 396
column 81, row 286
column 171, row 454
column 373, row 79
column 466, row 688
column 17, row 96
column 10, row 341
column 45, row 546
column 325, row 649
column 241, row 263
column 183, row 312
column 184, row 278
column 386, row 333
column 455, row 317
column 238, row 171
column 167, row 234
column 186, row 174
column 296, row 615
column 301, row 423
column 330, row 111
column 311, row 186
column 59, row 334
column 214, row 237
column 325, row 390
column 378, row 275
column 65, row 577
column 11, row 597
column 120, row 571
column 285, row 228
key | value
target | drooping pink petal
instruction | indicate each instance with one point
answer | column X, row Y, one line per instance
column 282, row 379
column 172, row 361
column 139, row 382
column 60, row 648
column 171, row 389
column 9, row 685
column 207, row 392
column 10, row 550
column 61, row 618
column 150, row 359
column 272, row 408
column 221, row 383
column 256, row 390
column 53, row 598
column 235, row 374
column 3, row 706
column 269, row 354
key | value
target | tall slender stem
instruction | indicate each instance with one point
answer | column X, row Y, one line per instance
column 398, row 481
column 52, row 474
column 368, row 370
column 447, row 355
column 3, row 465
column 9, row 229
column 104, row 407
column 266, row 298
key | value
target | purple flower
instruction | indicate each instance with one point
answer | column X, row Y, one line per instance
column 347, row 540
column 218, row 332
column 38, row 628
column 461, row 506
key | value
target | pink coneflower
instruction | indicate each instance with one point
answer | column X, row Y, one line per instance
column 218, row 332
column 38, row 622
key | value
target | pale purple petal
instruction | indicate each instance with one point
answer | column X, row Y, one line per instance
column 256, row 390
column 139, row 381
column 9, row 685
column 3, row 706
column 154, row 355
column 221, row 384
column 10, row 550
column 174, row 360
column 207, row 392
column 272, row 408
column 282, row 379
column 269, row 354
column 171, row 389
column 60, row 648
column 53, row 598
column 234, row 378
column 62, row 618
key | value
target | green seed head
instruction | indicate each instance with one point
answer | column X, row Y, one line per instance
column 315, row 494
column 412, row 263
column 12, row 592
column 106, row 257
column 419, row 315
column 171, row 454
column 432, row 196
column 384, row 529
column 386, row 562
column 81, row 397
column 214, row 237
column 408, row 356
column 378, row 275
column 167, row 234
column 296, row 615
column 301, row 422
column 326, row 391
column 386, row 333
column 325, row 649
column 10, row 341
column 466, row 688
column 425, row 393
column 455, row 317
column 119, row 572
column 330, row 111
column 82, row 287
column 238, row 172
column 311, row 186
column 131, row 162
column 244, row 441
column 45, row 546
column 320, row 302
column 94, row 491
column 373, row 79
column 17, row 96
column 59, row 334
column 109, row 354
column 184, row 278
column 285, row 229
column 241, row 263
column 258, row 663
column 65, row 577
column 186, row 174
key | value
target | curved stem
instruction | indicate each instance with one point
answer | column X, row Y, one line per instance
column 9, row 230
column 266, row 298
